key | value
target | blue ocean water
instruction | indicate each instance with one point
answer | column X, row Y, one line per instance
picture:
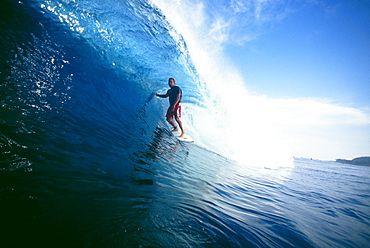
column 87, row 159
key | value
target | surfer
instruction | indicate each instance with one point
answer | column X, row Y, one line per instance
column 174, row 110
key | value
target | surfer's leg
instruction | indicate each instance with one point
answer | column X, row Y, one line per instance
column 169, row 118
column 173, row 124
column 180, row 125
column 177, row 114
column 177, row 118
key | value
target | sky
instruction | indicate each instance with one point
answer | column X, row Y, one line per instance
column 317, row 49
column 304, row 64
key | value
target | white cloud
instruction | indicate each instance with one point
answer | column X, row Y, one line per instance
column 240, row 6
column 319, row 128
column 220, row 30
column 318, row 112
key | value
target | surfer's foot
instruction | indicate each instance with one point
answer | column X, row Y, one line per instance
column 175, row 129
column 182, row 135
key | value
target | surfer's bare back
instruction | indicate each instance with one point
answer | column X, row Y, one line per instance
column 174, row 110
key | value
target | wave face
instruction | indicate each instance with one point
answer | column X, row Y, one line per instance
column 82, row 75
column 87, row 159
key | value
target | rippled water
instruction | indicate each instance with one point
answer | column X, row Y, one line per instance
column 189, row 198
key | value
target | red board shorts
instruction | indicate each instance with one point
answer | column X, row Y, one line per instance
column 176, row 112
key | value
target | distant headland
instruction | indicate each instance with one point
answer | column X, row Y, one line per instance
column 364, row 161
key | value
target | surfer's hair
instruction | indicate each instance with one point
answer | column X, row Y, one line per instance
column 171, row 79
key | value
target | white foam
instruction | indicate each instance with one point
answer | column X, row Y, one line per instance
column 235, row 123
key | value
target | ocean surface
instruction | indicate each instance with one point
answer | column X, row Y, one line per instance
column 87, row 159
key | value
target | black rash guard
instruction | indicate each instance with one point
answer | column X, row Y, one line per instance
column 172, row 94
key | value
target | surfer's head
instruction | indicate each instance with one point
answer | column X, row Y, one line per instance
column 171, row 82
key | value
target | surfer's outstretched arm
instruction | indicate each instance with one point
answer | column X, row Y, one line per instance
column 162, row 96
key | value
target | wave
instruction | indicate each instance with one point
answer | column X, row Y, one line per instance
column 85, row 72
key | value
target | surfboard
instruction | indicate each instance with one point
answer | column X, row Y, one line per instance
column 187, row 138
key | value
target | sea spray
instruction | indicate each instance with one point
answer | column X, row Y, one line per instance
column 234, row 122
